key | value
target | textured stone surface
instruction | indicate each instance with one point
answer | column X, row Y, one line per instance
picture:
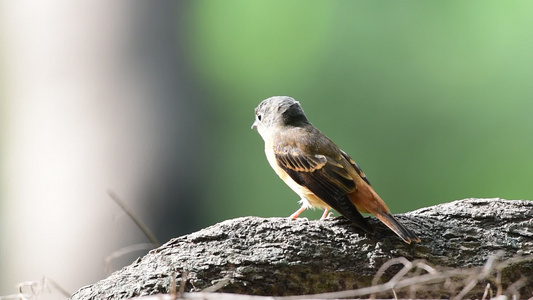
column 275, row 256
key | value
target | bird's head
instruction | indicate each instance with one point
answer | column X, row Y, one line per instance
column 278, row 112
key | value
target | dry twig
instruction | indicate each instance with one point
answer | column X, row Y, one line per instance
column 147, row 232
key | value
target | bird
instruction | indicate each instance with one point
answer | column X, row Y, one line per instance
column 316, row 169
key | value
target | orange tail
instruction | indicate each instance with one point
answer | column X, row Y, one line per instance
column 368, row 201
column 407, row 235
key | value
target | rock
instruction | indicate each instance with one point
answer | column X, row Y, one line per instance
column 277, row 256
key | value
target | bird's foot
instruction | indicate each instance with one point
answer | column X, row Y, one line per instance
column 303, row 219
column 329, row 216
column 297, row 213
column 325, row 215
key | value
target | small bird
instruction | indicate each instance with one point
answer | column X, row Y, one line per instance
column 316, row 169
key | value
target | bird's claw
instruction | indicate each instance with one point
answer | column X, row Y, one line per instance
column 297, row 218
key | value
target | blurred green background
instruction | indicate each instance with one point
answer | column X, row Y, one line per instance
column 432, row 99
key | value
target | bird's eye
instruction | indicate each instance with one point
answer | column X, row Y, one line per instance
column 259, row 117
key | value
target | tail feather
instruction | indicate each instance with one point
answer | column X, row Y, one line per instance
column 403, row 232
column 367, row 200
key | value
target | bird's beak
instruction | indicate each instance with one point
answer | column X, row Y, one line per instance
column 254, row 125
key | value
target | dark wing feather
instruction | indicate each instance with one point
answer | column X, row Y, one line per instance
column 325, row 177
column 356, row 167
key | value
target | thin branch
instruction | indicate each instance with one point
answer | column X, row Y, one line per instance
column 57, row 287
column 183, row 282
column 147, row 232
column 217, row 286
column 122, row 252
column 486, row 292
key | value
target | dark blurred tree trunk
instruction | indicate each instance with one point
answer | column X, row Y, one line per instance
column 99, row 96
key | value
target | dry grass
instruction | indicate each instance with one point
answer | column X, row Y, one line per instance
column 34, row 289
column 416, row 276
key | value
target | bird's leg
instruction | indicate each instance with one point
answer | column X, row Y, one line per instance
column 325, row 214
column 297, row 213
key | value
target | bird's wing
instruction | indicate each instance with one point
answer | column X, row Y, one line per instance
column 323, row 176
column 334, row 178
column 355, row 166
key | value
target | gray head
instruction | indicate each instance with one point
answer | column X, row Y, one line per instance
column 278, row 111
